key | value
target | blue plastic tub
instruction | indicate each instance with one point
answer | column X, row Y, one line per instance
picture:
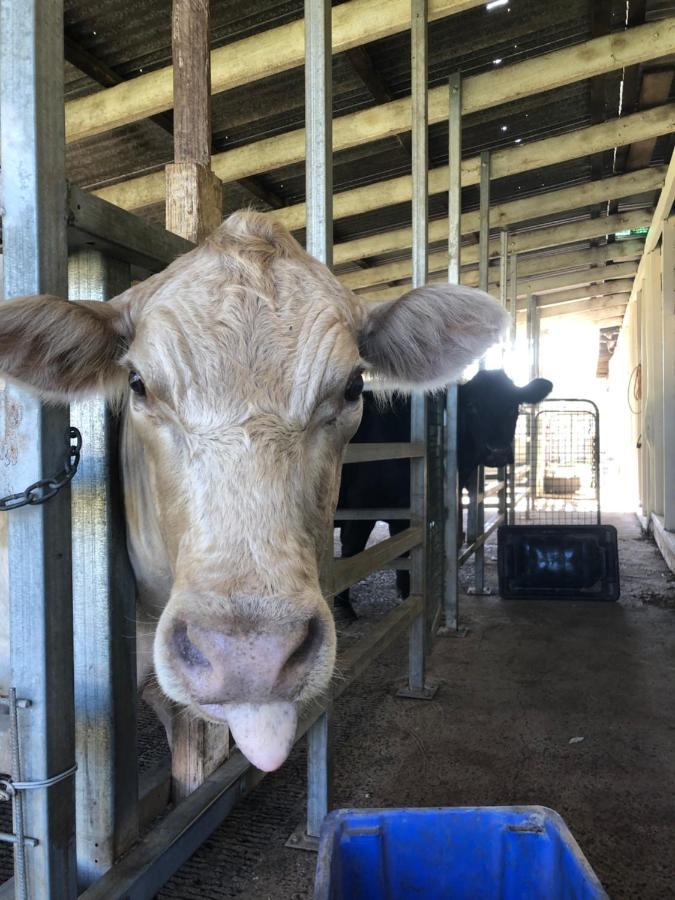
column 479, row 853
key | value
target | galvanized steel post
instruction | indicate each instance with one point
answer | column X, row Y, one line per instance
column 476, row 524
column 34, row 248
column 319, row 242
column 504, row 300
column 104, row 613
column 514, row 321
column 452, row 497
column 533, row 357
column 417, row 688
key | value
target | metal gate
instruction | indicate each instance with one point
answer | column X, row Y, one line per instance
column 557, row 464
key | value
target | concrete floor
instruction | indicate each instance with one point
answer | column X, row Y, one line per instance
column 524, row 681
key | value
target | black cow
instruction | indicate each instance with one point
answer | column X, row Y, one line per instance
column 488, row 408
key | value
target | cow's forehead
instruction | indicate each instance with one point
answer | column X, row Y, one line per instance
column 275, row 334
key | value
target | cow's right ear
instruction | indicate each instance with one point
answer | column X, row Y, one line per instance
column 535, row 391
column 428, row 336
column 62, row 349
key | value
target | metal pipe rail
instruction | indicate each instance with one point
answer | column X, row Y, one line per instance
column 481, row 539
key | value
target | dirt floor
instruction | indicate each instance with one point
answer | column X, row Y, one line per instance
column 526, row 680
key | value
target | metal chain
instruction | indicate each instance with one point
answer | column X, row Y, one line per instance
column 46, row 488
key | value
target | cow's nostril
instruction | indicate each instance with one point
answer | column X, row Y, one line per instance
column 306, row 649
column 188, row 652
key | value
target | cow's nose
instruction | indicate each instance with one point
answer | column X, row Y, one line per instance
column 231, row 663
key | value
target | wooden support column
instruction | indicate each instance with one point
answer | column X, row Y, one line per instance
column 193, row 210
column 194, row 205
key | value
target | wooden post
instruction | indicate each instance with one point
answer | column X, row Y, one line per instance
column 193, row 210
column 193, row 192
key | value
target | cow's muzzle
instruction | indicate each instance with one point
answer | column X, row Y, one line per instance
column 249, row 662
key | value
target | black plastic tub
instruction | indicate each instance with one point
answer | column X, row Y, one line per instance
column 558, row 562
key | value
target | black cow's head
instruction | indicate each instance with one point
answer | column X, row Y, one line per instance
column 489, row 406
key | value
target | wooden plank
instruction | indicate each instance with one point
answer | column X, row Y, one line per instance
column 359, row 453
column 241, row 62
column 617, row 286
column 654, row 90
column 120, row 234
column 194, row 200
column 599, row 304
column 191, row 81
column 667, row 355
column 511, row 160
column 392, row 118
column 193, row 209
column 527, row 265
column 536, row 285
column 348, row 571
column 504, row 215
column 489, row 89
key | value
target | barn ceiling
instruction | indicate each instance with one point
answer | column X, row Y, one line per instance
column 110, row 41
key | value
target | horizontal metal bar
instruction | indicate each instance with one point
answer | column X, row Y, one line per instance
column 96, row 224
column 149, row 865
column 377, row 514
column 480, row 540
column 375, row 452
column 7, row 838
column 352, row 569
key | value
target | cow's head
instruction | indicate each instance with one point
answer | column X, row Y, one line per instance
column 489, row 407
column 240, row 367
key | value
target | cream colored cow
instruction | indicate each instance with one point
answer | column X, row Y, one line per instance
column 239, row 369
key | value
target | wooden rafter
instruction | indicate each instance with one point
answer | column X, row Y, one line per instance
column 273, row 51
column 482, row 91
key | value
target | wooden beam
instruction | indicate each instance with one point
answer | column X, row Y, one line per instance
column 99, row 71
column 395, row 271
column 610, row 302
column 504, row 215
column 534, row 285
column 243, row 62
column 509, row 161
column 655, row 89
column 193, row 209
column 616, row 286
column 489, row 89
column 604, row 318
column 360, row 61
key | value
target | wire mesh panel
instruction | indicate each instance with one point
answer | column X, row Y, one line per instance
column 557, row 464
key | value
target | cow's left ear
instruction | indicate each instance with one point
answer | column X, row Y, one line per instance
column 428, row 336
column 535, row 391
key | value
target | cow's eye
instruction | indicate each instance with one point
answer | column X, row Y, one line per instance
column 136, row 384
column 354, row 388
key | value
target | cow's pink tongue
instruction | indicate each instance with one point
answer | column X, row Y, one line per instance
column 264, row 732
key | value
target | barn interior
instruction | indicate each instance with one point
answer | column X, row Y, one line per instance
column 559, row 703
